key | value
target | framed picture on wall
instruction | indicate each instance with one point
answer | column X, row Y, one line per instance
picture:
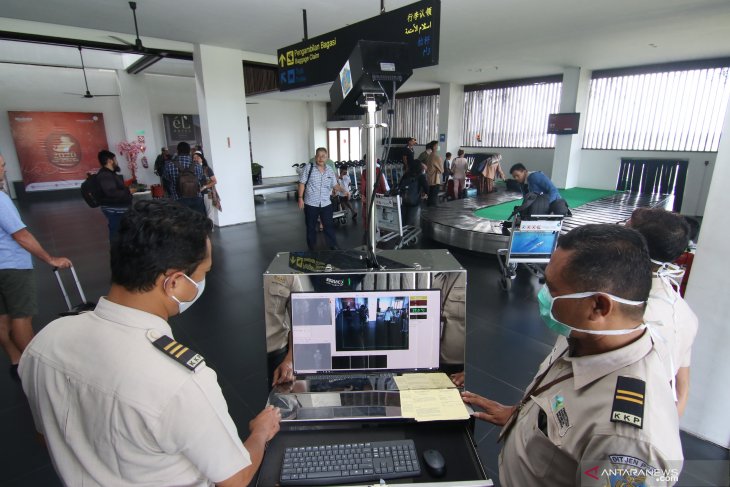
column 181, row 128
column 56, row 150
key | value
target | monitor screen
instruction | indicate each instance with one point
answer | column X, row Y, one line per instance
column 563, row 123
column 363, row 331
column 534, row 241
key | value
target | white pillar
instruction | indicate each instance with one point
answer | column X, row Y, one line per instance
column 223, row 121
column 137, row 119
column 573, row 98
column 708, row 289
column 317, row 120
column 451, row 117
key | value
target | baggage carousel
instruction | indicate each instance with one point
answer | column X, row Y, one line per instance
column 454, row 223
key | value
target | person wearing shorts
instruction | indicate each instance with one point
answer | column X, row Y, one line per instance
column 18, row 301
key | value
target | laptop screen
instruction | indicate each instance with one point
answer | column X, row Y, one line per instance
column 535, row 240
column 365, row 331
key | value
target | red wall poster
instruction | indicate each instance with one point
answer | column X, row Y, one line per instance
column 57, row 149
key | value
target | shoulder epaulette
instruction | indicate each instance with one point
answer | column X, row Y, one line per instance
column 628, row 401
column 178, row 352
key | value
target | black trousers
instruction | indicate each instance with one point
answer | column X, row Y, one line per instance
column 410, row 215
column 433, row 194
column 325, row 215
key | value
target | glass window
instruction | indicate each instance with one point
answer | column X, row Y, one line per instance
column 511, row 113
column 669, row 110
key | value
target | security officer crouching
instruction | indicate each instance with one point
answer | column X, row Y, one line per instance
column 600, row 410
column 119, row 401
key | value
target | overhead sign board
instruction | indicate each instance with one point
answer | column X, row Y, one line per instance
column 319, row 59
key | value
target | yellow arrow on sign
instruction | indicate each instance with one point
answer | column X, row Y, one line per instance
column 282, row 60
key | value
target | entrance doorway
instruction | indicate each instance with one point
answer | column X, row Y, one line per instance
column 344, row 144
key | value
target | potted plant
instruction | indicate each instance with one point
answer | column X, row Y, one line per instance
column 256, row 173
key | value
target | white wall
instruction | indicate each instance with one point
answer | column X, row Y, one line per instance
column 599, row 169
column 37, row 88
column 168, row 94
column 280, row 135
column 707, row 293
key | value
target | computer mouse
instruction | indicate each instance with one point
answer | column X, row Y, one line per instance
column 435, row 463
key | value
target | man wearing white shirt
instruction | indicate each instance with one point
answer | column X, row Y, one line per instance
column 667, row 237
column 118, row 400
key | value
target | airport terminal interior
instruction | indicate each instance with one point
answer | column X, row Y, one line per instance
column 242, row 80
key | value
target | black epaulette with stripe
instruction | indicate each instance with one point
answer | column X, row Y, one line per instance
column 178, row 352
column 628, row 401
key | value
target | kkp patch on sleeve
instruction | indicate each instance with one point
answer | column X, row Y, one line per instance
column 628, row 401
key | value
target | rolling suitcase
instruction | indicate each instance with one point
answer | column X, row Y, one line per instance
column 82, row 307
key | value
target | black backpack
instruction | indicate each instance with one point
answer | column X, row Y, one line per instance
column 188, row 184
column 91, row 191
column 410, row 191
column 533, row 204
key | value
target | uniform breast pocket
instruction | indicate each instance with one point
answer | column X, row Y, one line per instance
column 278, row 297
column 540, row 450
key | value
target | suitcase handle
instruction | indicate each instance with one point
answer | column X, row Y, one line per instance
column 63, row 288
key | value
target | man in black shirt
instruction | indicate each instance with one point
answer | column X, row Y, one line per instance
column 114, row 196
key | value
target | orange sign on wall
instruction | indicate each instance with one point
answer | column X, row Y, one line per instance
column 57, row 149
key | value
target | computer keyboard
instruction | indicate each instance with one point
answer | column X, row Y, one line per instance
column 349, row 462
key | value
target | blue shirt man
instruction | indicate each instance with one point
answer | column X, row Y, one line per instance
column 18, row 297
column 536, row 181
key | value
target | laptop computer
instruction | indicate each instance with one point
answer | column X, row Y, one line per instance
column 534, row 241
column 365, row 332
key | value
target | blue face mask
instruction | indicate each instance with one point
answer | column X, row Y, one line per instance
column 546, row 302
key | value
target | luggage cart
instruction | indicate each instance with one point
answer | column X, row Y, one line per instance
column 531, row 243
column 392, row 234
column 354, row 180
column 338, row 215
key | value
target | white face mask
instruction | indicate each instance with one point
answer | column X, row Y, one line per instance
column 184, row 305
column 546, row 302
column 671, row 275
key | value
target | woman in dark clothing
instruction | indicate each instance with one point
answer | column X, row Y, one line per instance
column 412, row 186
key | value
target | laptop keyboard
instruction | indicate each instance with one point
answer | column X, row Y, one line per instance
column 349, row 462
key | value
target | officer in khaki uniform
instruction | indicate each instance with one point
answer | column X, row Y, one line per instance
column 277, row 306
column 600, row 410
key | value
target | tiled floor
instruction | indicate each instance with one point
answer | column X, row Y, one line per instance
column 506, row 337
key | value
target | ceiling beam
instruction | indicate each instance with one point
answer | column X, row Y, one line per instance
column 87, row 44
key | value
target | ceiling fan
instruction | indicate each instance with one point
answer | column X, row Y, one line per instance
column 149, row 56
column 86, row 81
column 137, row 46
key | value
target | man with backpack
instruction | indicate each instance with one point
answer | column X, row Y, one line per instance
column 113, row 196
column 412, row 186
column 185, row 179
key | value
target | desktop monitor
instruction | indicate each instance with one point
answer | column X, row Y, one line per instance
column 535, row 240
column 365, row 331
